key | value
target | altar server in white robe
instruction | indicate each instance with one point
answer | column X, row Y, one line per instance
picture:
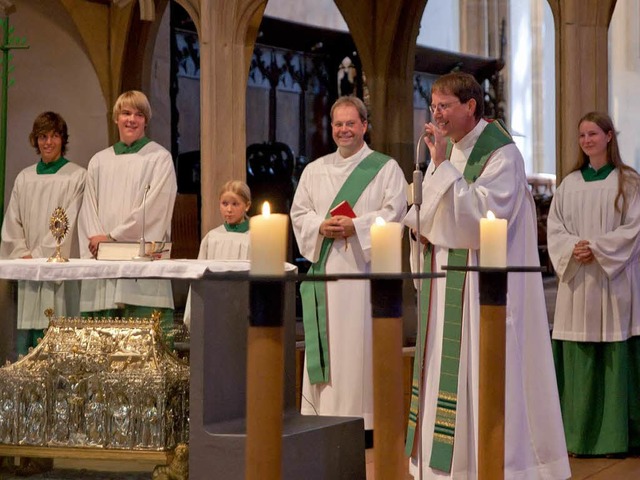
column 114, row 206
column 455, row 198
column 229, row 241
column 594, row 244
column 38, row 190
column 338, row 365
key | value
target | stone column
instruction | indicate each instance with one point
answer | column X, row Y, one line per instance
column 582, row 73
column 227, row 30
column 385, row 33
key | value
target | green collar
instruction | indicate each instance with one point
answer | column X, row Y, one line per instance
column 590, row 174
column 51, row 167
column 242, row 227
column 121, row 148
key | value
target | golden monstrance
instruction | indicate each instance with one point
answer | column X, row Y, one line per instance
column 59, row 227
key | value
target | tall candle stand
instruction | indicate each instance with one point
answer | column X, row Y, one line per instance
column 493, row 286
column 388, row 412
column 491, row 402
column 265, row 380
column 265, row 367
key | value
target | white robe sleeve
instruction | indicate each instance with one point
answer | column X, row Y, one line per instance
column 88, row 220
column 306, row 220
column 613, row 250
column 560, row 241
column 14, row 242
column 452, row 208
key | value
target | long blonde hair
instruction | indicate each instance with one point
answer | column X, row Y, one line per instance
column 628, row 178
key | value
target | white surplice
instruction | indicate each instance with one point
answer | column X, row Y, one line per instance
column 450, row 216
column 25, row 231
column 113, row 204
column 349, row 391
column 596, row 302
column 219, row 244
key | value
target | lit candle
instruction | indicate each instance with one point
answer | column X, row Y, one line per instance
column 493, row 241
column 386, row 250
column 268, row 235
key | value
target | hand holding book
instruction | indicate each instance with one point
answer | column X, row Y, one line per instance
column 343, row 208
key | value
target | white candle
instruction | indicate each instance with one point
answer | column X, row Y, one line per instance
column 386, row 249
column 268, row 235
column 493, row 241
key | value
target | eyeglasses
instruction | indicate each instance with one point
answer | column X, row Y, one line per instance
column 441, row 107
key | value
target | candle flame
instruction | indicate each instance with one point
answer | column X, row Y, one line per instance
column 490, row 215
column 380, row 221
column 266, row 210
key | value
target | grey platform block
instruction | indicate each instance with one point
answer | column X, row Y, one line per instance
column 314, row 447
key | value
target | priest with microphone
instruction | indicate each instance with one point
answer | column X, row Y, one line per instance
column 130, row 193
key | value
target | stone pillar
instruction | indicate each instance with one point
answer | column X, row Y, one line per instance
column 474, row 25
column 582, row 73
column 385, row 33
column 480, row 26
column 227, row 31
column 105, row 31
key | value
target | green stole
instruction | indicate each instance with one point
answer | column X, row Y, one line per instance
column 314, row 294
column 492, row 137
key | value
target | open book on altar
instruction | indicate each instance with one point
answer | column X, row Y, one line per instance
column 129, row 250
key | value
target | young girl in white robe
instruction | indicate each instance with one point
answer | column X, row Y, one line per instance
column 229, row 241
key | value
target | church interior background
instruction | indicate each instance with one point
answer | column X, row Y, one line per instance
column 242, row 88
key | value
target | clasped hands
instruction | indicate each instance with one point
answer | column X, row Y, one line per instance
column 582, row 252
column 339, row 226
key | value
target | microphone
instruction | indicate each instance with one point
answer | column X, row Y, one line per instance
column 142, row 254
column 417, row 174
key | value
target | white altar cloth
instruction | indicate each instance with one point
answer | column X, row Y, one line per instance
column 38, row 269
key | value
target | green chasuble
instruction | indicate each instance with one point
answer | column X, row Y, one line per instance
column 51, row 167
column 494, row 136
column 314, row 294
column 121, row 148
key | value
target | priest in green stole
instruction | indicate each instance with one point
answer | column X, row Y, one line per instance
column 38, row 190
column 475, row 167
column 337, row 315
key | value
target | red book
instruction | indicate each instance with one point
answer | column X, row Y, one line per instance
column 343, row 208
